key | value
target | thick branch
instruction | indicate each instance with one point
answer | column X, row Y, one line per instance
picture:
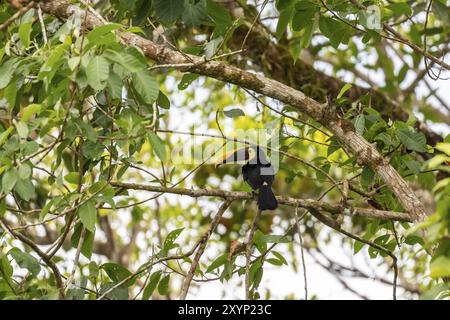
column 285, row 200
column 275, row 59
column 365, row 152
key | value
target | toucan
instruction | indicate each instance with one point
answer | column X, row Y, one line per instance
column 257, row 172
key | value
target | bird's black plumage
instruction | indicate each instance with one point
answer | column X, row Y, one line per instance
column 259, row 174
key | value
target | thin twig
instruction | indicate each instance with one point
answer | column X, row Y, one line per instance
column 41, row 21
column 48, row 261
column 248, row 255
column 17, row 15
column 77, row 258
column 201, row 248
column 401, row 39
column 149, row 265
column 253, row 24
column 300, row 238
column 284, row 114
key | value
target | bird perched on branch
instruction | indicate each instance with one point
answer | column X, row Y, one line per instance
column 257, row 172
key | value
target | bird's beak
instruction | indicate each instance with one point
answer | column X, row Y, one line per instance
column 234, row 156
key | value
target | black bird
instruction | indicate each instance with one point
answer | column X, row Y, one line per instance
column 257, row 172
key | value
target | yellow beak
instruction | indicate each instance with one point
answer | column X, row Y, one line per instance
column 234, row 156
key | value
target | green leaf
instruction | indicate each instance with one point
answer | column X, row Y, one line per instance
column 9, row 180
column 255, row 273
column 158, row 146
column 22, row 129
column 25, row 260
column 146, row 86
column 357, row 246
column 4, row 135
column 274, row 261
column 367, row 176
column 97, row 186
column 117, row 273
column 412, row 140
column 170, row 239
column 143, row 9
column 72, row 177
column 10, row 93
column 115, row 86
column 2, row 207
column 194, row 13
column 151, row 286
column 97, row 72
column 218, row 14
column 441, row 11
column 219, row 261
column 440, row 267
column 284, row 4
column 25, row 28
column 169, row 10
column 444, row 147
column 163, row 101
column 102, row 30
column 120, row 293
column 402, row 73
column 30, row 111
column 400, row 8
column 163, row 286
column 413, row 239
column 6, row 270
column 74, row 62
column 413, row 165
column 24, row 188
column 88, row 242
column 305, row 41
column 212, row 46
column 24, row 171
column 280, row 257
column 303, row 15
column 6, row 72
column 333, row 29
column 128, row 60
column 48, row 206
column 435, row 292
column 88, row 215
column 234, row 113
column 187, row 79
column 360, row 122
column 344, row 89
column 283, row 21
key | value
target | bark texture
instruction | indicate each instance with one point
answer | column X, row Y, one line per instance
column 366, row 153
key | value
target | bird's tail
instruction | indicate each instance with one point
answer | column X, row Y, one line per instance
column 266, row 198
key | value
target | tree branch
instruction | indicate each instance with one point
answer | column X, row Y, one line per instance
column 17, row 15
column 201, row 248
column 365, row 152
column 285, row 200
